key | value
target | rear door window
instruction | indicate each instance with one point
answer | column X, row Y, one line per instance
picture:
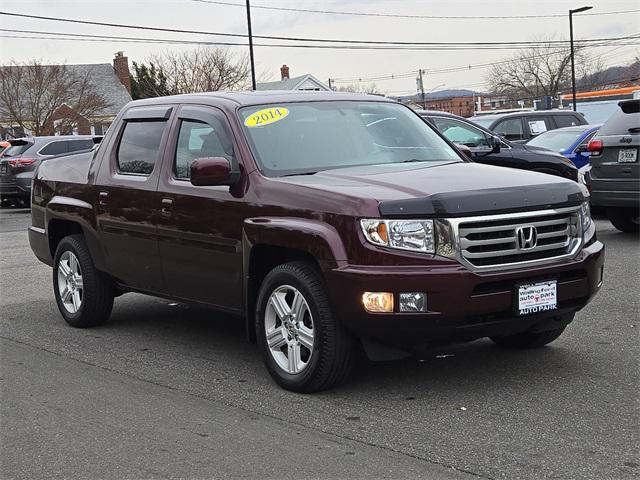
column 566, row 121
column 57, row 147
column 138, row 151
column 511, row 129
column 76, row 145
column 538, row 125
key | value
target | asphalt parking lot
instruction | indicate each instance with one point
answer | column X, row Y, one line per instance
column 166, row 390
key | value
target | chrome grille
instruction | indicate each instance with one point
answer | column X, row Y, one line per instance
column 511, row 240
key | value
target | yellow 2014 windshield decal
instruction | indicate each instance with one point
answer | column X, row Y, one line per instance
column 266, row 116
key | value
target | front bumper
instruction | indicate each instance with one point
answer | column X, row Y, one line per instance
column 462, row 305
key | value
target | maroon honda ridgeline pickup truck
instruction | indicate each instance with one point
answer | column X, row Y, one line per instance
column 327, row 221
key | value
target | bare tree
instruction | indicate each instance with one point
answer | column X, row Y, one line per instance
column 536, row 72
column 32, row 93
column 202, row 70
column 371, row 89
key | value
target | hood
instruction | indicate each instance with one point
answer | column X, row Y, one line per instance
column 445, row 189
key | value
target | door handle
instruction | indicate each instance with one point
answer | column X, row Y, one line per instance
column 102, row 198
column 167, row 207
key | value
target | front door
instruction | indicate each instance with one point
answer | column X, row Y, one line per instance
column 200, row 228
column 127, row 200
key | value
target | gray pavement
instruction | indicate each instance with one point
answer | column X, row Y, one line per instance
column 168, row 391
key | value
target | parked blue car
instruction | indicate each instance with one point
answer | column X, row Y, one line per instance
column 569, row 141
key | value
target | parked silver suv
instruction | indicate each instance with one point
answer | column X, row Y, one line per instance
column 614, row 178
column 22, row 157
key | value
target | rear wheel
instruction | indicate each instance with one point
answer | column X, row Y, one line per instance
column 625, row 219
column 84, row 295
column 303, row 345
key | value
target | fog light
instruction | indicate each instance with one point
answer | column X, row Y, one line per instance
column 413, row 302
column 378, row 302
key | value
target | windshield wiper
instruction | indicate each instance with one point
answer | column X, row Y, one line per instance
column 413, row 160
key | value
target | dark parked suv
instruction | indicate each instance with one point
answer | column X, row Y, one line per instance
column 486, row 147
column 520, row 127
column 22, row 157
column 614, row 177
column 325, row 221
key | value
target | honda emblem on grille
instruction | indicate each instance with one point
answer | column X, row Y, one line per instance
column 527, row 237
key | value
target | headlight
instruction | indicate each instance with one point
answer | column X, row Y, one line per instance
column 585, row 215
column 412, row 235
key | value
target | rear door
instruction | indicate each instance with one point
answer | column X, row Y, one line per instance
column 126, row 197
column 618, row 162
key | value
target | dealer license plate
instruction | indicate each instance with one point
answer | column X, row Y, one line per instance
column 537, row 297
column 628, row 155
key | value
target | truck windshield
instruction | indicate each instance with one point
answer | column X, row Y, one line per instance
column 304, row 138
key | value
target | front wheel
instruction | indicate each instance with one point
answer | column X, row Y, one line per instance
column 304, row 347
column 84, row 294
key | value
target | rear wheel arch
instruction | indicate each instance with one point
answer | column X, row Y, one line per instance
column 57, row 229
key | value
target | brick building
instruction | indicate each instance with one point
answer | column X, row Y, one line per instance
column 463, row 106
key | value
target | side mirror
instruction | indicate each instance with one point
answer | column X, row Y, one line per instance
column 465, row 150
column 495, row 143
column 210, row 171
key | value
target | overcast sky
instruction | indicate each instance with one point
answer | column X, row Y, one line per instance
column 324, row 64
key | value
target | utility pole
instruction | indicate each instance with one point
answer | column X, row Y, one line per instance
column 573, row 63
column 330, row 88
column 421, row 82
column 253, row 67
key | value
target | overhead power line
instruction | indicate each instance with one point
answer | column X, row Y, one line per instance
column 377, row 43
column 42, row 35
column 398, row 15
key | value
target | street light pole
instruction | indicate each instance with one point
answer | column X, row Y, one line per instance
column 253, row 67
column 573, row 63
column 424, row 103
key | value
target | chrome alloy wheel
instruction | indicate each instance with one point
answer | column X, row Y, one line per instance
column 288, row 325
column 70, row 282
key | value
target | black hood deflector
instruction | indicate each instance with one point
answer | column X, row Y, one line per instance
column 487, row 201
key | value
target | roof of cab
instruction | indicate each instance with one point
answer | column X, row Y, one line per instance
column 262, row 97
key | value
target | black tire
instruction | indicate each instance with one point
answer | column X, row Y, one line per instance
column 624, row 219
column 529, row 339
column 97, row 291
column 334, row 349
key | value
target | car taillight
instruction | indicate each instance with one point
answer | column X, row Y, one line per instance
column 22, row 162
column 595, row 147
